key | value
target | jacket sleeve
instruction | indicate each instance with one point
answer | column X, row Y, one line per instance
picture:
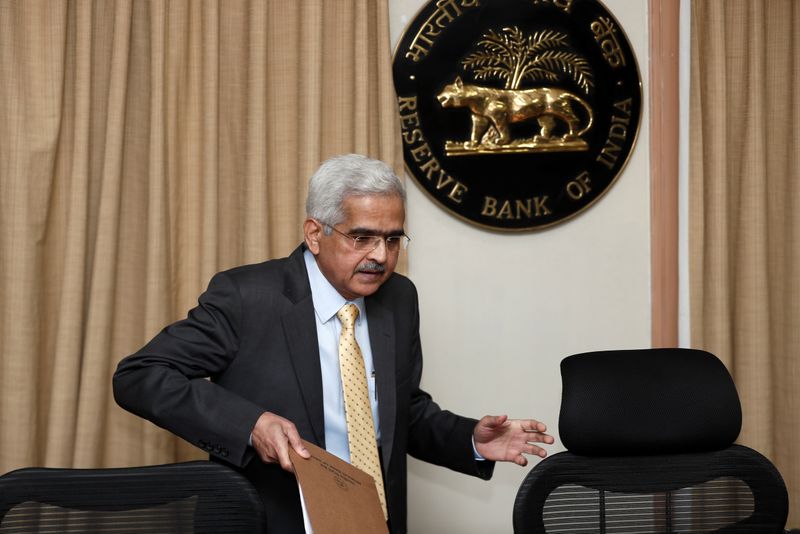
column 167, row 382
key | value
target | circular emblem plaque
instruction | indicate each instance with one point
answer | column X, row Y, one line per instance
column 516, row 114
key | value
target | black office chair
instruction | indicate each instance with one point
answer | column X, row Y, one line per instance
column 650, row 446
column 198, row 497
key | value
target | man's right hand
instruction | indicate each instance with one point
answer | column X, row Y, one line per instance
column 272, row 436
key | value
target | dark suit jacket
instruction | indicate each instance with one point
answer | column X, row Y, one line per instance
column 253, row 332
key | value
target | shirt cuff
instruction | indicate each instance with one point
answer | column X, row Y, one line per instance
column 475, row 452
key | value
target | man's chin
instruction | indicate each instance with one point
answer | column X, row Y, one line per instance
column 368, row 284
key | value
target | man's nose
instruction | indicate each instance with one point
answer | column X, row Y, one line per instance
column 379, row 253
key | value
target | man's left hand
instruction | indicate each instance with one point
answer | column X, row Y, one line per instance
column 502, row 439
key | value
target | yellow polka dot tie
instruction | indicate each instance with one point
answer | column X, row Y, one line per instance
column 358, row 411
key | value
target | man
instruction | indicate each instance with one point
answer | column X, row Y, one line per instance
column 270, row 335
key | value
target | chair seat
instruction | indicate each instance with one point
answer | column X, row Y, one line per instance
column 727, row 491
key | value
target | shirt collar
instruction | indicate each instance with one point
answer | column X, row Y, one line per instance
column 327, row 301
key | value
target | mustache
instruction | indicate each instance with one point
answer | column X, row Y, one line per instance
column 371, row 266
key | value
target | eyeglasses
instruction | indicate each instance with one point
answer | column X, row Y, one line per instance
column 368, row 243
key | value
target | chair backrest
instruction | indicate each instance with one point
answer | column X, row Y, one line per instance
column 198, row 497
column 650, row 438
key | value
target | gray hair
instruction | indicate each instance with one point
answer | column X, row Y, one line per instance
column 345, row 176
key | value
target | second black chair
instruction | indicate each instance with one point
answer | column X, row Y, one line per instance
column 650, row 446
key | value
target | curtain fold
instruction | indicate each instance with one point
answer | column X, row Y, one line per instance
column 145, row 146
column 744, row 217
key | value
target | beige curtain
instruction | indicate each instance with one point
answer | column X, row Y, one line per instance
column 145, row 145
column 745, row 214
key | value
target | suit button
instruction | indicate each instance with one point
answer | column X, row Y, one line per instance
column 225, row 453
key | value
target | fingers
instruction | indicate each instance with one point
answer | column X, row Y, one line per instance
column 272, row 437
column 531, row 425
column 281, row 448
column 493, row 421
column 499, row 420
column 538, row 437
column 535, row 432
column 297, row 443
column 502, row 439
column 535, row 450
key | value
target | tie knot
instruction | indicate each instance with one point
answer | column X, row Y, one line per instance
column 347, row 315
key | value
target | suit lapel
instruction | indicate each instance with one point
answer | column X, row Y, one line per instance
column 382, row 341
column 300, row 329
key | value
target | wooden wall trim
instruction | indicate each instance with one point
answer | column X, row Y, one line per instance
column 664, row 22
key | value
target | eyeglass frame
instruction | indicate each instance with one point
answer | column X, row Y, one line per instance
column 402, row 240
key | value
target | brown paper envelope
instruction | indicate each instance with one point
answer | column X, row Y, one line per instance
column 340, row 498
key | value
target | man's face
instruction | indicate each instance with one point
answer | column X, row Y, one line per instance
column 355, row 273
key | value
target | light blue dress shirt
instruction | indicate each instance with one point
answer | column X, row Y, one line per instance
column 328, row 301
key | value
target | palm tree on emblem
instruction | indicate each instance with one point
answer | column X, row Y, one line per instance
column 514, row 58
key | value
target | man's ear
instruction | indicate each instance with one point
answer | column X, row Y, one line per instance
column 312, row 231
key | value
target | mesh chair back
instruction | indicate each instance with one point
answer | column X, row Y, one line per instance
column 198, row 497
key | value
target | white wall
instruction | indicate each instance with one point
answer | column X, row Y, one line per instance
column 500, row 311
